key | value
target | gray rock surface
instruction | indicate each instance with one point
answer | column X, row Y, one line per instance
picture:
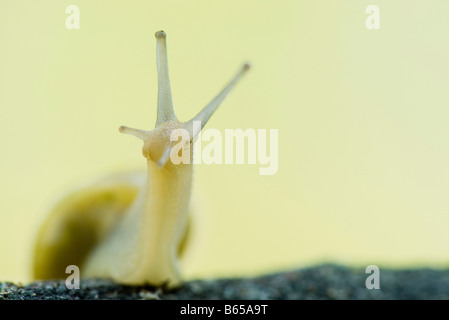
column 320, row 282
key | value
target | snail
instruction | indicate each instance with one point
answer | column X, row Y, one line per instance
column 132, row 228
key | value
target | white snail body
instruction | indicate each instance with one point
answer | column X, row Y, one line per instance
column 131, row 228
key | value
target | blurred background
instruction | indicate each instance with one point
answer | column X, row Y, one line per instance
column 362, row 116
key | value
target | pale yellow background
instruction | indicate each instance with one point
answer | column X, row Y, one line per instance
column 362, row 116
